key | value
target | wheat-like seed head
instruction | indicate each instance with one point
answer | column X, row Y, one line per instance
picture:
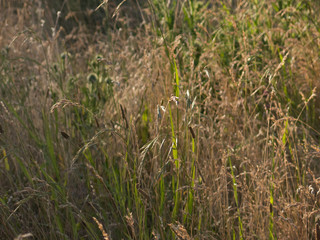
column 64, row 103
column 180, row 231
column 104, row 234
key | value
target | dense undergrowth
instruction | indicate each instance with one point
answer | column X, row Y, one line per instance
column 159, row 119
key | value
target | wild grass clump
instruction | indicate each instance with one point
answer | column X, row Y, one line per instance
column 159, row 120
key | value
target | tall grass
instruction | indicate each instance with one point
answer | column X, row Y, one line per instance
column 171, row 120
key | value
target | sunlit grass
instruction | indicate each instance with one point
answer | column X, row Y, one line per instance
column 159, row 120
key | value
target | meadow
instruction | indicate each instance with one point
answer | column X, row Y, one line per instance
column 158, row 119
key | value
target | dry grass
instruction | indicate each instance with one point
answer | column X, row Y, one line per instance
column 104, row 234
column 171, row 121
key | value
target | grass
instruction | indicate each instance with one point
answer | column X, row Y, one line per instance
column 159, row 120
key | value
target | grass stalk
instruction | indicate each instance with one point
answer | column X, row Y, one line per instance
column 235, row 195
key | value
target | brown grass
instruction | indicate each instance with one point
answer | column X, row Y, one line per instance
column 249, row 97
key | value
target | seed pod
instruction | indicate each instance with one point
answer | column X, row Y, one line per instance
column 65, row 135
column 192, row 132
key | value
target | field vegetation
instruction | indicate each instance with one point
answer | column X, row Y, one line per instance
column 158, row 119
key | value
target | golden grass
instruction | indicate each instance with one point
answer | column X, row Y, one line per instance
column 234, row 154
column 104, row 234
